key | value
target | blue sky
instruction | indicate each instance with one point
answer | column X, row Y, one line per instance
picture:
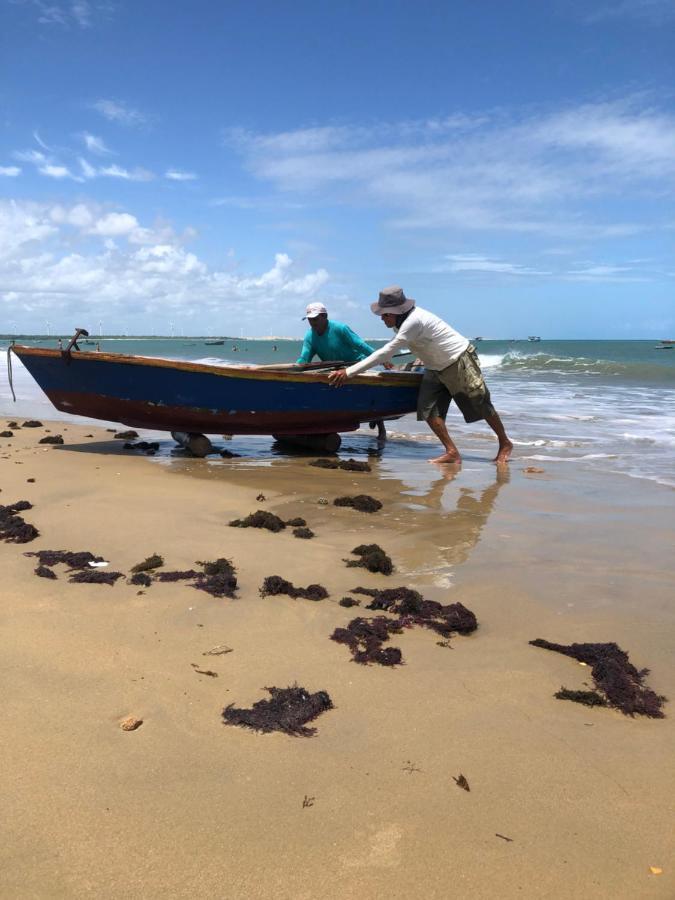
column 214, row 166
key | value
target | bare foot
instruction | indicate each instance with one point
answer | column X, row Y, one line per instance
column 447, row 458
column 504, row 452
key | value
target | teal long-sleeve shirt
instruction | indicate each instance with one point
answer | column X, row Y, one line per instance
column 338, row 342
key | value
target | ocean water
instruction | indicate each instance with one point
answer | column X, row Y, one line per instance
column 605, row 406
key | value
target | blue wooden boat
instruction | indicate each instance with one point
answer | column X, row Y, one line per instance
column 180, row 396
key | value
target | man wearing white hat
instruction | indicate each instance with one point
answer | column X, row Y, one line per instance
column 334, row 341
column 452, row 370
column 330, row 340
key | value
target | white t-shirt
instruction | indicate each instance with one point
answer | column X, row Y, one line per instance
column 430, row 338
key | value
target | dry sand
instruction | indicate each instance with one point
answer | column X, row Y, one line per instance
column 185, row 806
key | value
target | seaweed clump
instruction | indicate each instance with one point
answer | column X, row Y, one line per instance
column 361, row 502
column 365, row 637
column 32, row 423
column 615, row 677
column 51, row 439
column 303, row 533
column 6, row 434
column 182, row 575
column 141, row 578
column 150, row 562
column 13, row 527
column 349, row 601
column 218, row 578
column 94, row 576
column 45, row 572
column 289, row 710
column 274, row 585
column 73, row 559
column 125, row 435
column 588, row 698
column 349, row 465
column 372, row 557
column 260, row 519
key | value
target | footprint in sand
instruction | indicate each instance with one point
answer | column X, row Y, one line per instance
column 384, row 850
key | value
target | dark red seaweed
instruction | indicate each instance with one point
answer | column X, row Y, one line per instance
column 274, row 585
column 13, row 528
column 288, row 711
column 615, row 676
column 361, row 502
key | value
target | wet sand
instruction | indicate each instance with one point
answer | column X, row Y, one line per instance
column 188, row 807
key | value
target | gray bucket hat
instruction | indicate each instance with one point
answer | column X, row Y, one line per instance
column 392, row 300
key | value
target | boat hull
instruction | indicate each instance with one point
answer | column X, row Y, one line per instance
column 171, row 395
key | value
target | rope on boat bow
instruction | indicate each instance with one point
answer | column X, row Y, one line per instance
column 10, row 377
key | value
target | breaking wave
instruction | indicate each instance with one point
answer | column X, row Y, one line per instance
column 549, row 364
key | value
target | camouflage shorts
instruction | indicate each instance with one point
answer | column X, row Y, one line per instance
column 461, row 381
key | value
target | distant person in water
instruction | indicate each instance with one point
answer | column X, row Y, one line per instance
column 332, row 341
column 452, row 370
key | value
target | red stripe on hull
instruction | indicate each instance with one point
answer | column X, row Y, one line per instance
column 177, row 418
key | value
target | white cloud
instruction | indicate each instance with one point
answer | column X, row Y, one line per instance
column 53, row 168
column 95, row 144
column 31, row 156
column 83, row 260
column 473, row 263
column 115, row 225
column 176, row 175
column 120, row 112
column 10, row 171
column 564, row 173
column 22, row 224
column 39, row 141
column 75, row 13
column 606, row 273
column 88, row 171
column 137, row 174
column 80, row 215
column 52, row 171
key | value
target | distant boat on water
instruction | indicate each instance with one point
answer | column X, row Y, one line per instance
column 665, row 345
column 534, row 337
column 214, row 342
column 478, row 339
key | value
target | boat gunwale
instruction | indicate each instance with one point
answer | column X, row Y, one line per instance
column 372, row 379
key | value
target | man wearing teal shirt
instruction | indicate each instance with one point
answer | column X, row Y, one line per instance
column 331, row 341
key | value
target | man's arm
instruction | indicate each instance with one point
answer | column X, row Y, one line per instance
column 383, row 355
column 307, row 351
column 403, row 337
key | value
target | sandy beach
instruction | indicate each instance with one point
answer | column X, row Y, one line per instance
column 564, row 801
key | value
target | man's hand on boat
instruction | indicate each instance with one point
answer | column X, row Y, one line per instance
column 337, row 377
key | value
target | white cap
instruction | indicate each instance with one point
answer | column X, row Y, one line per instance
column 315, row 309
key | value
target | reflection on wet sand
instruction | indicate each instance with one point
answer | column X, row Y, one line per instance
column 447, row 539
